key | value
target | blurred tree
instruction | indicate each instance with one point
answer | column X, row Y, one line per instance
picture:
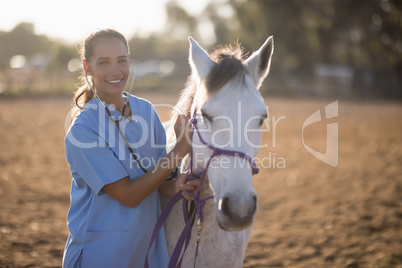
column 160, row 48
column 179, row 22
column 223, row 24
column 157, row 48
column 366, row 35
column 352, row 32
column 60, row 55
column 22, row 40
column 144, row 49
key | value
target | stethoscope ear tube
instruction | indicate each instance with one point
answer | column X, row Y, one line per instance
column 130, row 81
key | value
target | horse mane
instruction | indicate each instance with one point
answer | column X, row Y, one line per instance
column 229, row 59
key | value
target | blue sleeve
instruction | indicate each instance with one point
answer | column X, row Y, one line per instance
column 96, row 165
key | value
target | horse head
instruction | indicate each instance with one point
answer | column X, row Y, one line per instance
column 230, row 112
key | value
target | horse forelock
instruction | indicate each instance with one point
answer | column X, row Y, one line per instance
column 229, row 61
column 229, row 64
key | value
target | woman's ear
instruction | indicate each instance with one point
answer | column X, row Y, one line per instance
column 85, row 65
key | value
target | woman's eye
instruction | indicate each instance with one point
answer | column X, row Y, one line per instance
column 103, row 62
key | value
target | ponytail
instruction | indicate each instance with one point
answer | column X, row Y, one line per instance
column 81, row 97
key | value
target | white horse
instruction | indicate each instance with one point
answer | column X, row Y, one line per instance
column 223, row 93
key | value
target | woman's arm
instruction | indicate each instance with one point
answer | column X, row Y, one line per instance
column 131, row 193
column 171, row 187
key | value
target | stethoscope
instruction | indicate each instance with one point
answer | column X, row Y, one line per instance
column 130, row 82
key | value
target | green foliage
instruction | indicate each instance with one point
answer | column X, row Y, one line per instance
column 60, row 55
column 363, row 35
column 357, row 33
column 22, row 40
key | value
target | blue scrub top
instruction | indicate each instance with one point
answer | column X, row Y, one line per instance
column 104, row 232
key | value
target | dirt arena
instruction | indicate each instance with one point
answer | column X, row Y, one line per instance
column 310, row 214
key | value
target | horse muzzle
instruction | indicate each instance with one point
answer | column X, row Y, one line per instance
column 236, row 214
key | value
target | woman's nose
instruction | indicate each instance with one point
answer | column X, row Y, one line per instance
column 115, row 68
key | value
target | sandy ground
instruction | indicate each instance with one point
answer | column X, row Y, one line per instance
column 310, row 214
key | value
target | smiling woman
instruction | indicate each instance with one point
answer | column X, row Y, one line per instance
column 115, row 203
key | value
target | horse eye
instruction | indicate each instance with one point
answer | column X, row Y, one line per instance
column 206, row 116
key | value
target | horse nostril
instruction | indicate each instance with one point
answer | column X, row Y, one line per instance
column 237, row 211
column 225, row 206
column 255, row 205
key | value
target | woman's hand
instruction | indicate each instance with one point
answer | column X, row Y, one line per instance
column 183, row 130
column 182, row 184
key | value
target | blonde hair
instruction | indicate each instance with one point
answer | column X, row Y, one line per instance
column 84, row 93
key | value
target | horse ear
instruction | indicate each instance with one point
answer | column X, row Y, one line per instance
column 199, row 60
column 259, row 62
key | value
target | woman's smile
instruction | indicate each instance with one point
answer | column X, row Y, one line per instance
column 114, row 82
column 119, row 83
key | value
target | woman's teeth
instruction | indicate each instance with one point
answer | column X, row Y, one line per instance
column 114, row 81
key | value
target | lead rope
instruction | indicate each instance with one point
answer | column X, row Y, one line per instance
column 184, row 239
column 177, row 258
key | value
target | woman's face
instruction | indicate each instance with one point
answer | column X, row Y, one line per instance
column 109, row 67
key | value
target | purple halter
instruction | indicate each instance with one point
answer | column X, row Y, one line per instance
column 184, row 239
column 218, row 151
